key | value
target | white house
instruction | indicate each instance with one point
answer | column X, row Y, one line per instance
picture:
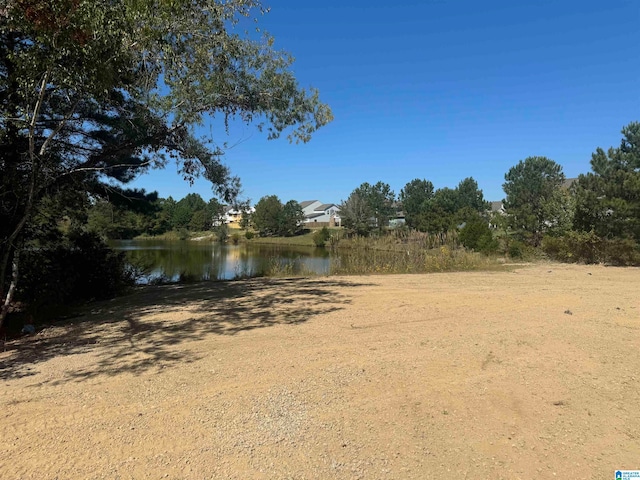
column 317, row 212
column 495, row 211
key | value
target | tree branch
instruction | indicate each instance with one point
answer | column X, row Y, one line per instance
column 55, row 131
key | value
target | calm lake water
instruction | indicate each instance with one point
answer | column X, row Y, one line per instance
column 172, row 261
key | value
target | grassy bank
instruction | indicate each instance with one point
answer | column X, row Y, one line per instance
column 181, row 235
column 304, row 240
column 396, row 252
column 443, row 259
column 380, row 262
column 402, row 251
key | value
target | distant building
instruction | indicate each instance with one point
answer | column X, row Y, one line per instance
column 231, row 215
column 317, row 212
column 497, row 207
column 496, row 210
column 397, row 218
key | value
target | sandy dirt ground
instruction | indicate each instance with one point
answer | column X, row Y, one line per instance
column 532, row 373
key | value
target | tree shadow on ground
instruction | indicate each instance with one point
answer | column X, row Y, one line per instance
column 148, row 330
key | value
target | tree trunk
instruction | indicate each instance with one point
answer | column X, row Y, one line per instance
column 12, row 288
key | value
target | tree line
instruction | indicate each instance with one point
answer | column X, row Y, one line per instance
column 126, row 214
column 595, row 218
column 370, row 207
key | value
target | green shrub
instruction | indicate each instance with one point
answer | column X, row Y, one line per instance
column 249, row 234
column 222, row 233
column 587, row 247
column 622, row 251
column 235, row 238
column 476, row 235
column 516, row 249
column 321, row 236
column 556, row 248
column 488, row 245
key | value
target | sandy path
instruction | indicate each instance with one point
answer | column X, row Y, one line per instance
column 526, row 374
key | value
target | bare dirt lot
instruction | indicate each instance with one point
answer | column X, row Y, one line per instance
column 532, row 374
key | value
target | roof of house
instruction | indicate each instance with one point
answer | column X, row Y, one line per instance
column 306, row 203
column 568, row 182
column 497, row 206
column 325, row 206
column 315, row 215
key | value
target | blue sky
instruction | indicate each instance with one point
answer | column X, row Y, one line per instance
column 439, row 89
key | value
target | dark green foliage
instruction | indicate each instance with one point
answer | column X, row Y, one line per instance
column 380, row 199
column 476, row 235
column 200, row 221
column 597, row 219
column 588, row 247
column 443, row 210
column 291, row 219
column 249, row 234
column 516, row 249
column 368, row 207
column 608, row 199
column 529, row 186
column 273, row 218
column 266, row 218
column 470, row 196
column 321, row 236
column 77, row 268
column 193, row 202
column 124, row 216
column 191, row 213
column 415, row 197
column 356, row 215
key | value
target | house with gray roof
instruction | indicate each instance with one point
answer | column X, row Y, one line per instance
column 497, row 207
column 316, row 212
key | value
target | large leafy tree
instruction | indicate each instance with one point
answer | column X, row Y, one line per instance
column 443, row 209
column 530, row 186
column 271, row 217
column 470, row 196
column 608, row 198
column 291, row 219
column 105, row 89
column 266, row 217
column 356, row 214
column 415, row 197
column 439, row 214
column 379, row 200
column 192, row 205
